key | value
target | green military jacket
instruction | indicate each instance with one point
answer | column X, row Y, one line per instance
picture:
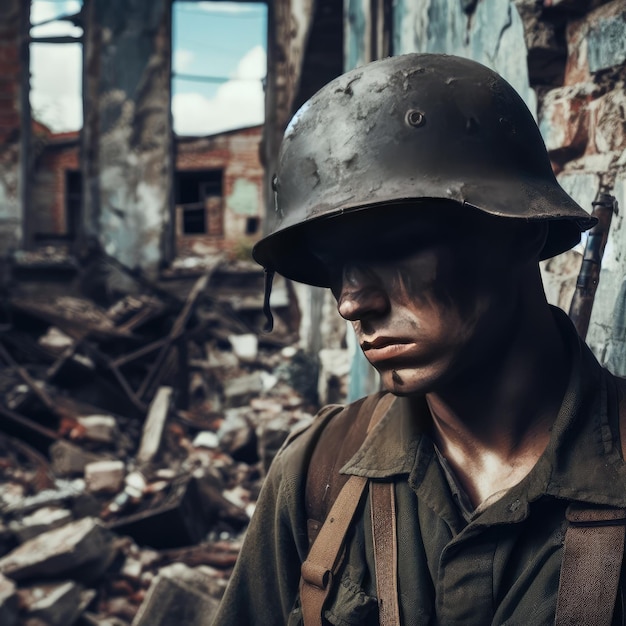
column 499, row 566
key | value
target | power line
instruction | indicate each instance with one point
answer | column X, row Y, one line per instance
column 213, row 79
column 243, row 15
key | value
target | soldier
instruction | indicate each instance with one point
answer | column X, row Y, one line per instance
column 485, row 483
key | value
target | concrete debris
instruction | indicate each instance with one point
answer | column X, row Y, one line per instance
column 8, row 602
column 42, row 520
column 245, row 347
column 239, row 391
column 105, row 476
column 154, row 425
column 206, row 439
column 62, row 551
column 69, row 459
column 135, row 449
column 177, row 596
column 98, row 427
column 54, row 604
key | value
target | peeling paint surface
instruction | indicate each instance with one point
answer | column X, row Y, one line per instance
column 607, row 42
column 244, row 199
column 11, row 184
column 128, row 139
column 492, row 35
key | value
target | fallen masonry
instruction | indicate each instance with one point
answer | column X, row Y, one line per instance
column 134, row 439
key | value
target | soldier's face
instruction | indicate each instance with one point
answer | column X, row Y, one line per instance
column 429, row 301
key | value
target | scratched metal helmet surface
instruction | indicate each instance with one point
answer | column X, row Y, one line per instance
column 416, row 126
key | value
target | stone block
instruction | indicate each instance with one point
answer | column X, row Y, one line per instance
column 237, row 436
column 69, row 459
column 178, row 520
column 608, row 119
column 60, row 551
column 564, row 120
column 105, row 476
column 154, row 424
column 245, row 347
column 546, row 53
column 99, row 427
column 53, row 604
column 64, row 491
column 334, row 369
column 206, row 439
column 9, row 603
column 42, row 520
column 595, row 42
column 606, row 40
column 135, row 484
column 583, row 186
column 239, row 391
column 55, row 340
column 177, row 596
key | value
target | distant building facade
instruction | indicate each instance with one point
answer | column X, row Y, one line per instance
column 218, row 190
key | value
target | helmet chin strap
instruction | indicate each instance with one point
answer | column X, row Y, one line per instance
column 269, row 278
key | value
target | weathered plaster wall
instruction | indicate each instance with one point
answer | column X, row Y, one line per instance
column 127, row 135
column 492, row 34
column 237, row 154
column 289, row 24
column 13, row 56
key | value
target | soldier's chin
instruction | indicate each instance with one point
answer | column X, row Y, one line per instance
column 406, row 381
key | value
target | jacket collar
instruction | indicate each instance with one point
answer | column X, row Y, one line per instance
column 581, row 462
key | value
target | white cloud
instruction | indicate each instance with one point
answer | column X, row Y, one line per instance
column 237, row 103
column 56, row 85
column 224, row 7
column 44, row 11
column 182, row 60
column 253, row 64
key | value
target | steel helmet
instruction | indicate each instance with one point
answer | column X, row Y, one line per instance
column 416, row 126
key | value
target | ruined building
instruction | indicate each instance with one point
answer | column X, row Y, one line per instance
column 566, row 57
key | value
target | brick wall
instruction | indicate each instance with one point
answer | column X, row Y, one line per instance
column 48, row 209
column 236, row 153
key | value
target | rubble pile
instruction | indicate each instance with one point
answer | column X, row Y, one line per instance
column 134, row 440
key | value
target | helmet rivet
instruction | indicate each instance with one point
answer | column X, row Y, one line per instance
column 415, row 118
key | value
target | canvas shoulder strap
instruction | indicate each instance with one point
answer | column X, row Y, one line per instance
column 592, row 554
column 326, row 488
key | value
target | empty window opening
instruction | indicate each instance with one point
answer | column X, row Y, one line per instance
column 199, row 198
column 73, row 201
column 252, row 225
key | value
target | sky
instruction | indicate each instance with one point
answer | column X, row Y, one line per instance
column 219, row 40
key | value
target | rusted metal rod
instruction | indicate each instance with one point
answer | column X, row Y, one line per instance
column 604, row 206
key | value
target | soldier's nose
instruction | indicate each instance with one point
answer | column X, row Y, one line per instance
column 362, row 295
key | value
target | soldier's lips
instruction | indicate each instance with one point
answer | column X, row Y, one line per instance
column 384, row 348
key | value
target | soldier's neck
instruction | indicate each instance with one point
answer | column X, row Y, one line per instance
column 493, row 426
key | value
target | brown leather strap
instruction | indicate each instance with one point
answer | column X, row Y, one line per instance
column 383, row 507
column 324, row 558
column 326, row 554
column 591, row 567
